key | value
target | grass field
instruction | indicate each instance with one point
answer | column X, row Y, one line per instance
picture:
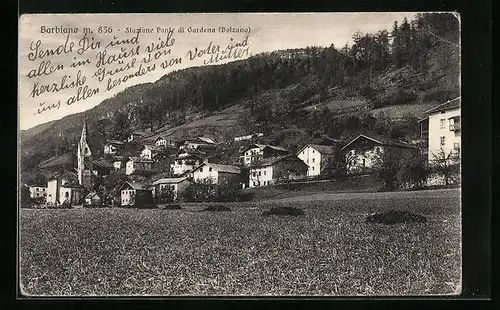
column 328, row 251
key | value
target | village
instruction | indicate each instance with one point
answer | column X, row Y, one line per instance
column 194, row 162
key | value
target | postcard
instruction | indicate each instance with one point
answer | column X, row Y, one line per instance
column 239, row 154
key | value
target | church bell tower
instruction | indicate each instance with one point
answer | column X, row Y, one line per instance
column 84, row 159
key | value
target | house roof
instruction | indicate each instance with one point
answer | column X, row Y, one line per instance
column 91, row 195
column 115, row 142
column 220, row 168
column 253, row 146
column 140, row 160
column 381, row 141
column 169, row 181
column 326, row 139
column 134, row 185
column 277, row 148
column 452, row 104
column 207, row 140
column 154, row 147
column 102, row 163
column 272, row 160
column 323, row 149
column 36, row 185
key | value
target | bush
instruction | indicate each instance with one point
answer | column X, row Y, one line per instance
column 224, row 191
column 215, row 208
column 395, row 217
column 170, row 207
column 291, row 211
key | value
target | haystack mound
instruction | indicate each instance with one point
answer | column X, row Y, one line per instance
column 170, row 207
column 395, row 217
column 216, row 208
column 292, row 211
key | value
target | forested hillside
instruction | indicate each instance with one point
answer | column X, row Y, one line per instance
column 317, row 90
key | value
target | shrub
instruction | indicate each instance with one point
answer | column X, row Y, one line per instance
column 215, row 208
column 395, row 217
column 170, row 207
column 292, row 211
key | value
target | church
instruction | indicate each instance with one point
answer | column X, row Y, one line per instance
column 70, row 187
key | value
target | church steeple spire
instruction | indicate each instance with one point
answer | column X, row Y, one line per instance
column 84, row 158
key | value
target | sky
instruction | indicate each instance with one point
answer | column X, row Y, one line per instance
column 267, row 32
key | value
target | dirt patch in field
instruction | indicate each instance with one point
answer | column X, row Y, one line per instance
column 284, row 211
column 170, row 207
column 395, row 217
column 215, row 208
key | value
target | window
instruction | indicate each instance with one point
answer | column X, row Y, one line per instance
column 364, row 162
column 260, row 173
column 313, row 160
column 313, row 168
column 210, row 169
column 313, row 151
column 456, row 146
column 264, row 172
column 66, row 195
column 442, row 123
column 442, row 141
column 253, row 174
column 37, row 189
column 201, row 169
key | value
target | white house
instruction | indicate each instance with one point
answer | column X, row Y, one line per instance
column 185, row 162
column 150, row 151
column 214, row 173
column 177, row 185
column 441, row 129
column 252, row 153
column 64, row 188
column 37, row 191
column 138, row 164
column 134, row 193
column 363, row 153
column 316, row 157
column 119, row 162
column 271, row 170
column 112, row 146
column 193, row 144
column 161, row 141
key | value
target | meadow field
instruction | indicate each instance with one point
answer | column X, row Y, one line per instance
column 329, row 250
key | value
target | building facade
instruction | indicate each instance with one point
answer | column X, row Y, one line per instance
column 275, row 170
column 177, row 185
column 364, row 153
column 185, row 162
column 37, row 191
column 215, row 173
column 138, row 164
column 443, row 130
column 316, row 157
column 112, row 147
column 251, row 154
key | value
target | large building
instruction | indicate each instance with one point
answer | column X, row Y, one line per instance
column 273, row 170
column 441, row 130
column 363, row 153
column 317, row 157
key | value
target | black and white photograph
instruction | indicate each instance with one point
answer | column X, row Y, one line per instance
column 239, row 154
